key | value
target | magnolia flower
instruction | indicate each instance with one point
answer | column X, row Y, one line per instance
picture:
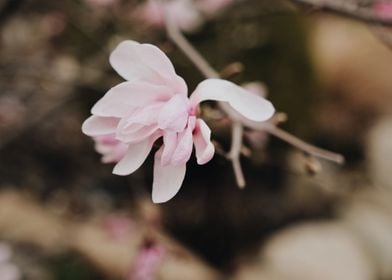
column 152, row 104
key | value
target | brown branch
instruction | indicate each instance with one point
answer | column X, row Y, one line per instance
column 205, row 68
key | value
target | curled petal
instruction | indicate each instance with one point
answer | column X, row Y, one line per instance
column 135, row 156
column 201, row 138
column 135, row 61
column 174, row 114
column 167, row 179
column 170, row 143
column 140, row 123
column 146, row 115
column 247, row 104
column 136, row 133
column 95, row 126
column 183, row 151
column 121, row 99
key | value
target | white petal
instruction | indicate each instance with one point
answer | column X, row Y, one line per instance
column 134, row 61
column 174, row 114
column 167, row 180
column 246, row 103
column 201, row 138
column 95, row 126
column 136, row 155
column 120, row 100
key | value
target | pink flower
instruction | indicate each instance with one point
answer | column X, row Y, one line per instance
column 182, row 12
column 383, row 8
column 119, row 227
column 147, row 262
column 153, row 103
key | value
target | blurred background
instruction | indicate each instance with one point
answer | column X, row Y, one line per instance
column 64, row 215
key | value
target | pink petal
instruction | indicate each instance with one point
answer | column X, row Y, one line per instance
column 146, row 115
column 116, row 154
column 137, row 135
column 136, row 155
column 95, row 126
column 201, row 138
column 169, row 145
column 183, row 151
column 247, row 104
column 174, row 114
column 167, row 179
column 120, row 100
column 135, row 61
column 110, row 148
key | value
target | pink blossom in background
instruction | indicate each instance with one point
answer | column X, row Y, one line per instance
column 152, row 104
column 383, row 8
column 182, row 12
column 5, row 252
column 53, row 23
column 12, row 111
column 147, row 263
column 119, row 227
column 8, row 270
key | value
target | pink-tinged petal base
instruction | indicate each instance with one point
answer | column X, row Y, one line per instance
column 136, row 155
column 167, row 179
column 110, row 148
column 249, row 105
column 201, row 138
column 174, row 114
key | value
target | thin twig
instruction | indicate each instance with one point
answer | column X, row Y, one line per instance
column 205, row 68
column 178, row 38
column 302, row 145
column 348, row 8
column 235, row 152
column 294, row 141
